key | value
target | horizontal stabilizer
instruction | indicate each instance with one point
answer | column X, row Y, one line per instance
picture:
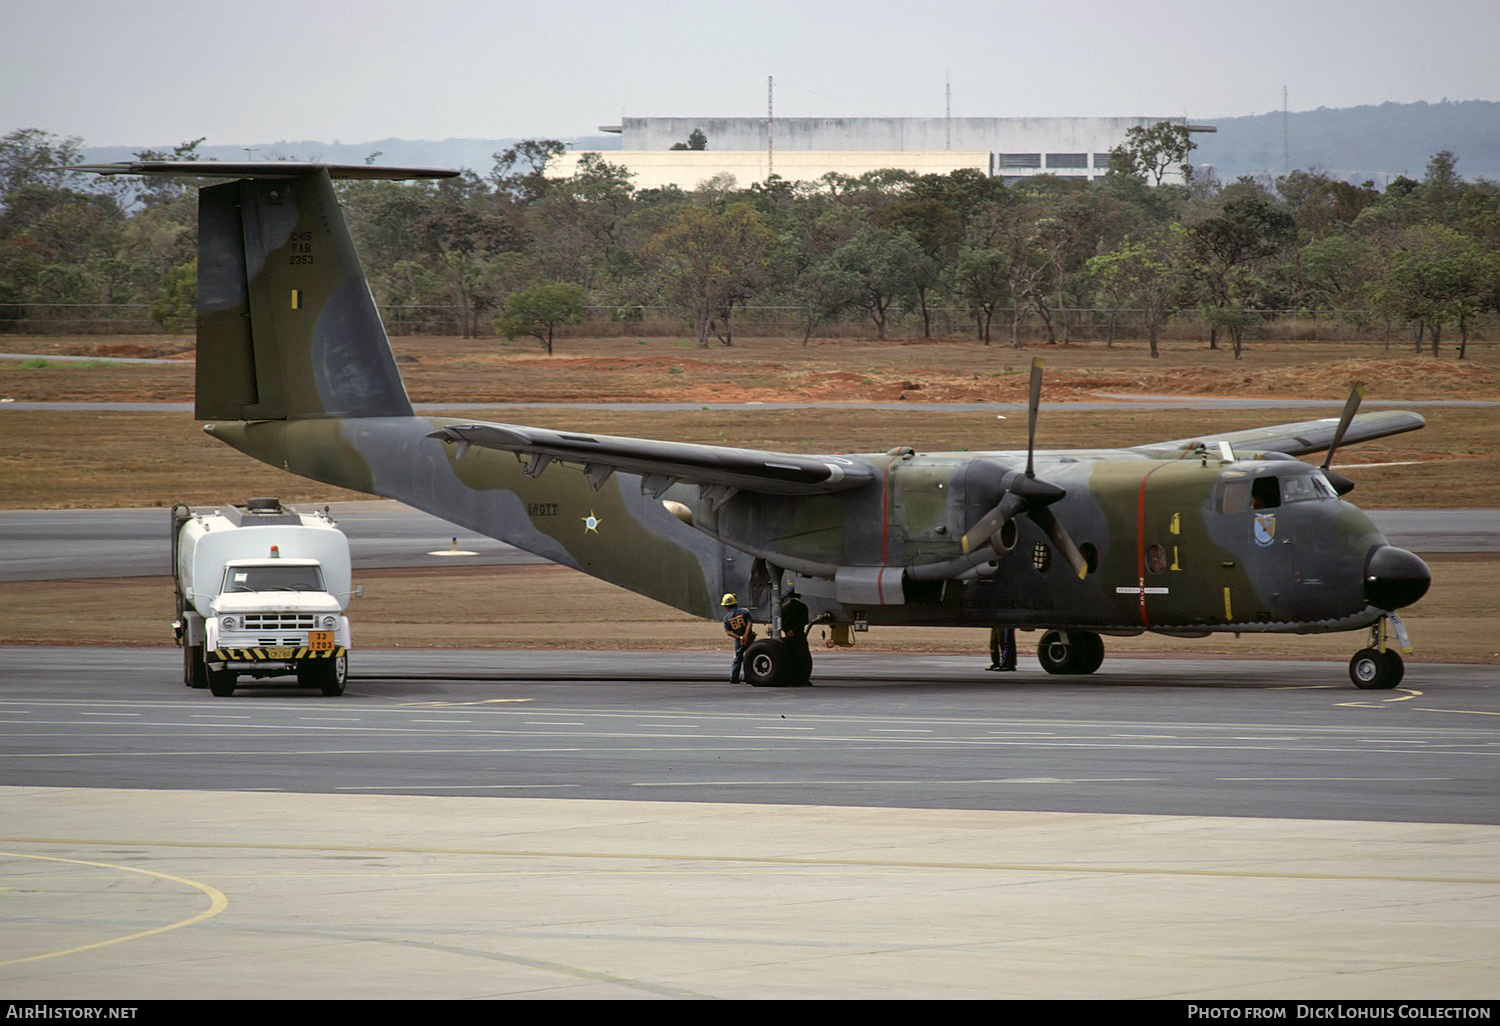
column 745, row 469
column 261, row 169
column 1300, row 438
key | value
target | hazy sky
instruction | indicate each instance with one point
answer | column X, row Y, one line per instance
column 157, row 72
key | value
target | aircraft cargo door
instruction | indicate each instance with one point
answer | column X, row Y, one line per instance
column 1182, row 575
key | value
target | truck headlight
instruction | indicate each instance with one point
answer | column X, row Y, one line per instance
column 330, row 622
column 227, row 623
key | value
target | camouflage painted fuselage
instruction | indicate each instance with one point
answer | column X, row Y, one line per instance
column 1166, row 553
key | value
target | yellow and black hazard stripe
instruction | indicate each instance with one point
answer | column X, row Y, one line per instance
column 254, row 655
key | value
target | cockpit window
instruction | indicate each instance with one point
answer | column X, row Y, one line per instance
column 1265, row 493
column 1312, row 486
column 1239, row 495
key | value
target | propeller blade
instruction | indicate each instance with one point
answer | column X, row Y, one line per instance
column 1027, row 495
column 1341, row 484
column 1351, row 406
column 1044, row 519
column 1031, row 413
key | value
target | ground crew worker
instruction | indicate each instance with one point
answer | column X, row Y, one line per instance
column 740, row 628
column 1002, row 648
column 794, row 628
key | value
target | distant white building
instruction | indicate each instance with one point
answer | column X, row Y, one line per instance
column 804, row 149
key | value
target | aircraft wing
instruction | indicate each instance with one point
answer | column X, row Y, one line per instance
column 662, row 464
column 1300, row 438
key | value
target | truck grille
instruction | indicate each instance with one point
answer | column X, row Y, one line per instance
column 279, row 622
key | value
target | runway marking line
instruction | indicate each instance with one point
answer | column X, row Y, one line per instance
column 484, row 701
column 1410, row 694
column 772, row 860
column 218, row 902
column 1466, row 712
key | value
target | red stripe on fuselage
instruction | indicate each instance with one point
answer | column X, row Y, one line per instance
column 1140, row 543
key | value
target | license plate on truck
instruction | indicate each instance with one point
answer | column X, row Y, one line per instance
column 320, row 641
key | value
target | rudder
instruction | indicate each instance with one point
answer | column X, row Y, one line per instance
column 287, row 328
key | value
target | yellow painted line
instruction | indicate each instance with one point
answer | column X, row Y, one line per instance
column 1410, row 694
column 1466, row 712
column 771, row 860
column 217, row 903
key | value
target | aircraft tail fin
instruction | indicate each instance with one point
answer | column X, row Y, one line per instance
column 287, row 328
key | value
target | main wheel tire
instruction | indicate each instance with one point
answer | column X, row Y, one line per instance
column 194, row 672
column 1374, row 670
column 1091, row 655
column 220, row 682
column 335, row 672
column 310, row 674
column 1070, row 652
column 767, row 664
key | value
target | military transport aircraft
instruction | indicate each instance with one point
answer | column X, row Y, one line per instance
column 1223, row 532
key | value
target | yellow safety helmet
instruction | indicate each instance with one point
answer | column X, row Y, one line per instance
column 728, row 600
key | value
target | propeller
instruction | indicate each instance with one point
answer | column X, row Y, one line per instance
column 1341, row 484
column 1026, row 493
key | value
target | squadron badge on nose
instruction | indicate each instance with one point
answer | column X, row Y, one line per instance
column 1265, row 529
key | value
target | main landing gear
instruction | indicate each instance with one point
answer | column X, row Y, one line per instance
column 1070, row 652
column 777, row 663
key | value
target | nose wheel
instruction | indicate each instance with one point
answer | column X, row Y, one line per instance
column 1380, row 666
column 1374, row 670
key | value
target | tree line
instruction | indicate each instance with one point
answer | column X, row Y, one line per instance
column 516, row 251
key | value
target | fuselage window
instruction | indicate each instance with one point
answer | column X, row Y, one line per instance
column 1090, row 556
column 1234, row 497
column 1156, row 559
column 1041, row 557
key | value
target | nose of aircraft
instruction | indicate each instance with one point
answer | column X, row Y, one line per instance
column 1395, row 578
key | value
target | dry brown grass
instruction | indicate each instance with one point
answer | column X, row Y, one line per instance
column 443, row 369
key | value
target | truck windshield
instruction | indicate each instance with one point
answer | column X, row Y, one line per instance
column 273, row 578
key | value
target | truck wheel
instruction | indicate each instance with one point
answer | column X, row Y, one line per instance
column 220, row 682
column 194, row 672
column 334, row 672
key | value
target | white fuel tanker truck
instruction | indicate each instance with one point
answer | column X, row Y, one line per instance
column 261, row 592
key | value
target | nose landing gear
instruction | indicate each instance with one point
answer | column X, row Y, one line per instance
column 1380, row 666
